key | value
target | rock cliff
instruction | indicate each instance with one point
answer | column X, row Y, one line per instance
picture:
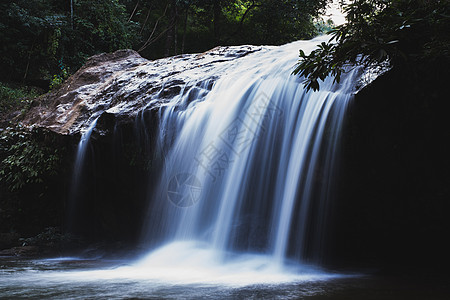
column 123, row 84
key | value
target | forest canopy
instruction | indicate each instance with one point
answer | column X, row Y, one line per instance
column 44, row 41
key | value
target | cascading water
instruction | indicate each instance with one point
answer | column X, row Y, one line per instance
column 248, row 169
column 76, row 186
column 243, row 193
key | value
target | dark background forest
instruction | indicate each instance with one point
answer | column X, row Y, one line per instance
column 44, row 41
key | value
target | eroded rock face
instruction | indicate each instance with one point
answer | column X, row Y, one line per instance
column 123, row 84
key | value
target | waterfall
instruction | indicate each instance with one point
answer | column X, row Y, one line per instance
column 77, row 177
column 249, row 168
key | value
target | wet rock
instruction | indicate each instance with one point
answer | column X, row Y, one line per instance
column 9, row 240
column 123, row 83
column 25, row 251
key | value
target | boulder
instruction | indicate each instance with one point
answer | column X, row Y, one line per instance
column 123, row 84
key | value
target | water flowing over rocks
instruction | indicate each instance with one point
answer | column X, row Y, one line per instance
column 393, row 201
column 139, row 111
column 123, row 83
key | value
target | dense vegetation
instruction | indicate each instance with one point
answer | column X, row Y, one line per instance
column 407, row 34
column 45, row 40
column 32, row 167
column 15, row 97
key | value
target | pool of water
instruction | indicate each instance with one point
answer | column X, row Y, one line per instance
column 73, row 278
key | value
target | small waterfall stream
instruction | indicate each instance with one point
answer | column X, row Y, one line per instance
column 77, row 177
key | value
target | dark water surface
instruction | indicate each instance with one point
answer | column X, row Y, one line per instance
column 71, row 278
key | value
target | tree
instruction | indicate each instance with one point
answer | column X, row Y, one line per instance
column 26, row 31
column 98, row 26
column 173, row 27
column 410, row 34
column 281, row 21
column 48, row 39
column 42, row 38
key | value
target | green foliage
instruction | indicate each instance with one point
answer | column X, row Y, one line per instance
column 27, row 34
column 411, row 33
column 38, row 37
column 15, row 98
column 58, row 79
column 26, row 158
column 278, row 22
column 101, row 26
column 198, row 25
